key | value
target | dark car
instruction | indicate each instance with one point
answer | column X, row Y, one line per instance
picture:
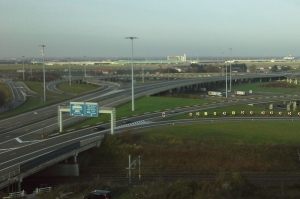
column 98, row 194
column 175, row 111
column 99, row 128
column 127, row 121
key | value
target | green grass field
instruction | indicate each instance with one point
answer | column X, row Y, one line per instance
column 143, row 105
column 76, row 88
column 30, row 104
column 39, row 89
column 225, row 134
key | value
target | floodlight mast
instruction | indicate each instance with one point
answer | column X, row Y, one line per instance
column 43, row 54
column 132, row 38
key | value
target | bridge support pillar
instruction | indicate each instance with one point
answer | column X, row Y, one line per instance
column 270, row 79
column 19, row 184
column 75, row 157
column 61, row 170
column 249, row 81
column 98, row 144
column 294, row 106
column 271, row 106
column 260, row 79
column 288, row 106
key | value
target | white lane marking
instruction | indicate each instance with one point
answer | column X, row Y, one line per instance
column 90, row 135
column 18, row 140
column 131, row 124
column 54, row 106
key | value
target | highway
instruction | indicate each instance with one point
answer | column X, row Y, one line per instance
column 21, row 140
column 19, row 91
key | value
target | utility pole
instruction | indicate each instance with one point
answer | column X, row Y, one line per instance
column 131, row 165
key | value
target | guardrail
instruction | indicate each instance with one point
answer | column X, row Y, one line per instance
column 42, row 190
column 21, row 194
column 10, row 175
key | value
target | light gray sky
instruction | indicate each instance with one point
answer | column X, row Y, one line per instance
column 97, row 28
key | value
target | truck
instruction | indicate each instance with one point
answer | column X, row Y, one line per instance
column 214, row 93
column 240, row 93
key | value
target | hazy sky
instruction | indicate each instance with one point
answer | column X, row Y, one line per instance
column 97, row 28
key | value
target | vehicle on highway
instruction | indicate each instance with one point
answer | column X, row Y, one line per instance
column 98, row 194
column 127, row 121
column 240, row 93
column 175, row 111
column 99, row 128
column 214, row 93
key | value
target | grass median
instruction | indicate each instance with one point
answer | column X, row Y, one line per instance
column 76, row 88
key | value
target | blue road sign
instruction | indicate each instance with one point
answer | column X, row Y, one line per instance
column 91, row 109
column 77, row 109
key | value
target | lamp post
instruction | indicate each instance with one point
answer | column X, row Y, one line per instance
column 230, row 68
column 23, row 67
column 222, row 64
column 69, row 72
column 84, row 68
column 132, row 38
column 43, row 54
column 226, row 79
column 143, row 71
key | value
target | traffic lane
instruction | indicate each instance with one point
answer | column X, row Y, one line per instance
column 11, row 158
column 146, row 124
column 41, row 128
column 43, row 113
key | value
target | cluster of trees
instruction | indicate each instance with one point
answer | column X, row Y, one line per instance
column 283, row 68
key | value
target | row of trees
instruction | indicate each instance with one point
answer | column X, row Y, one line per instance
column 209, row 68
column 275, row 68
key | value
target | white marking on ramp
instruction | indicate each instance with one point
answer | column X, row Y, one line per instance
column 18, row 140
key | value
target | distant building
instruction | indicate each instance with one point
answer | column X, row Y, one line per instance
column 289, row 58
column 177, row 58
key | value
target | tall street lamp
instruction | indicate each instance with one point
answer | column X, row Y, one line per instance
column 43, row 54
column 23, row 67
column 132, row 38
column 222, row 64
column 226, row 79
column 84, row 68
column 230, row 67
column 69, row 72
